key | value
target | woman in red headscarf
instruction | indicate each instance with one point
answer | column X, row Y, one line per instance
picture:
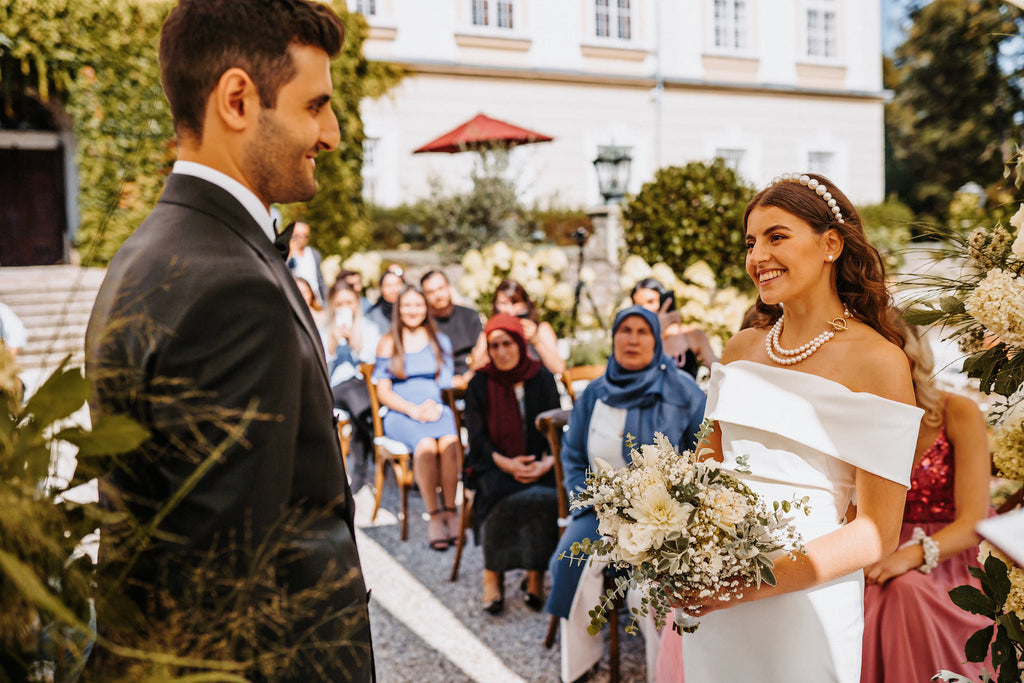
column 515, row 510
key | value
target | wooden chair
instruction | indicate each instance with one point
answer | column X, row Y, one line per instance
column 387, row 452
column 552, row 423
column 455, row 398
column 580, row 373
column 344, row 425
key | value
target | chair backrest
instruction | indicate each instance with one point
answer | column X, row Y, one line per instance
column 580, row 373
column 551, row 423
column 367, row 371
column 452, row 397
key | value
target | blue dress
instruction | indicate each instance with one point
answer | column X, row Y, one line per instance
column 419, row 385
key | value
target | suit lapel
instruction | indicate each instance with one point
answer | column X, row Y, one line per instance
column 219, row 204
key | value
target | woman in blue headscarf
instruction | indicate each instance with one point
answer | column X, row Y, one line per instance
column 641, row 392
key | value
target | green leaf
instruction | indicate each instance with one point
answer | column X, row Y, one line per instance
column 976, row 648
column 34, row 591
column 970, row 599
column 64, row 392
column 998, row 574
column 110, row 435
column 986, row 583
column 1011, row 622
column 1002, row 649
column 951, row 304
column 922, row 316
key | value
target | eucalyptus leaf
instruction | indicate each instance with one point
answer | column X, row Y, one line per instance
column 923, row 316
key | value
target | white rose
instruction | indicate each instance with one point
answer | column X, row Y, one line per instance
column 656, row 512
column 634, row 540
column 729, row 507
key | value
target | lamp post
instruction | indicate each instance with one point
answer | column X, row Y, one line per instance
column 613, row 166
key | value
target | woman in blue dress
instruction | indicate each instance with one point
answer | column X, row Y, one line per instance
column 414, row 362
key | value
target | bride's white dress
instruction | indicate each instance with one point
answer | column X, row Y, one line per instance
column 804, row 436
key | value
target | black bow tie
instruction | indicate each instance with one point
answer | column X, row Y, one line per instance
column 283, row 238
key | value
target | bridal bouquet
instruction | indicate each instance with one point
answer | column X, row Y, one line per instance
column 679, row 525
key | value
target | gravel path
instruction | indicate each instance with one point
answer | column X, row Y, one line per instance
column 427, row 629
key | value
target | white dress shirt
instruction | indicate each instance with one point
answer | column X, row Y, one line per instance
column 237, row 190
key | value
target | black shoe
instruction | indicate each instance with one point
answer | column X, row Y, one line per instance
column 534, row 602
column 495, row 607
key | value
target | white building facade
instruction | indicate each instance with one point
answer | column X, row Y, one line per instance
column 770, row 85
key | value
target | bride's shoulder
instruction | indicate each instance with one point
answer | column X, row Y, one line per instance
column 744, row 344
column 877, row 366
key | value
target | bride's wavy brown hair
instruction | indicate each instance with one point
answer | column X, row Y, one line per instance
column 859, row 270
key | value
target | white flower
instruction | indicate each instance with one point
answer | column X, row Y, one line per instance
column 657, row 512
column 700, row 273
column 609, row 526
column 664, row 274
column 602, row 465
column 998, row 304
column 635, row 540
column 729, row 507
column 472, row 261
column 1018, row 218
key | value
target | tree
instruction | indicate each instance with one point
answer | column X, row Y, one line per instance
column 688, row 214
column 99, row 61
column 958, row 95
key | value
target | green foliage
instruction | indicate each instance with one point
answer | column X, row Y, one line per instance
column 889, row 227
column 338, row 216
column 44, row 591
column 688, row 214
column 104, row 68
column 958, row 89
column 1004, row 637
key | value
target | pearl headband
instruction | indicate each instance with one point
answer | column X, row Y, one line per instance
column 812, row 184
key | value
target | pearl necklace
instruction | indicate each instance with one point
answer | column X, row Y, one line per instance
column 782, row 356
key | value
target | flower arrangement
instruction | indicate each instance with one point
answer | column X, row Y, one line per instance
column 981, row 309
column 541, row 272
column 717, row 310
column 680, row 525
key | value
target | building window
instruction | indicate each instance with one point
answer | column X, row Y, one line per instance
column 732, row 157
column 370, row 152
column 822, row 27
column 732, row 25
column 822, row 163
column 613, row 19
column 368, row 8
column 498, row 13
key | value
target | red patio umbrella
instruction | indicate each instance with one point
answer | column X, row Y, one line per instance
column 482, row 132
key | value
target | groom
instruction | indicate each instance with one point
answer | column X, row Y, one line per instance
column 200, row 334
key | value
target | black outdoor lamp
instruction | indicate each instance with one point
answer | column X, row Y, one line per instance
column 612, row 164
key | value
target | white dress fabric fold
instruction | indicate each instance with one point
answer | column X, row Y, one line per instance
column 802, row 435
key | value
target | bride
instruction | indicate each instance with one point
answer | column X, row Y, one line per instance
column 820, row 401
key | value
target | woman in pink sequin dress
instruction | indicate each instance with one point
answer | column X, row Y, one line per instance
column 912, row 629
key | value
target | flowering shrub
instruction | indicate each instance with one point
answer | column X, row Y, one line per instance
column 369, row 265
column 717, row 310
column 541, row 272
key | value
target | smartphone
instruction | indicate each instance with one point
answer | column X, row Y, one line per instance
column 344, row 317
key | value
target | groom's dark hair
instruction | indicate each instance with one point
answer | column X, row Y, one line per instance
column 201, row 39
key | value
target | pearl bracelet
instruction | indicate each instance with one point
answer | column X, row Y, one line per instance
column 930, row 547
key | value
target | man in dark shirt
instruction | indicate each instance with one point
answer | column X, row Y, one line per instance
column 461, row 324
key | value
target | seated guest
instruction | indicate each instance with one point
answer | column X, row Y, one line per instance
column 351, row 339
column 541, row 341
column 391, row 284
column 304, row 261
column 354, row 280
column 911, row 627
column 509, row 465
column 309, row 296
column 461, row 324
column 414, row 362
column 641, row 392
column 687, row 344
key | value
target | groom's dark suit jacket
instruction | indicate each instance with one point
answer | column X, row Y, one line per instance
column 197, row 317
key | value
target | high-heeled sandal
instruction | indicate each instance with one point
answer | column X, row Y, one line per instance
column 497, row 606
column 534, row 602
column 452, row 540
column 439, row 543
